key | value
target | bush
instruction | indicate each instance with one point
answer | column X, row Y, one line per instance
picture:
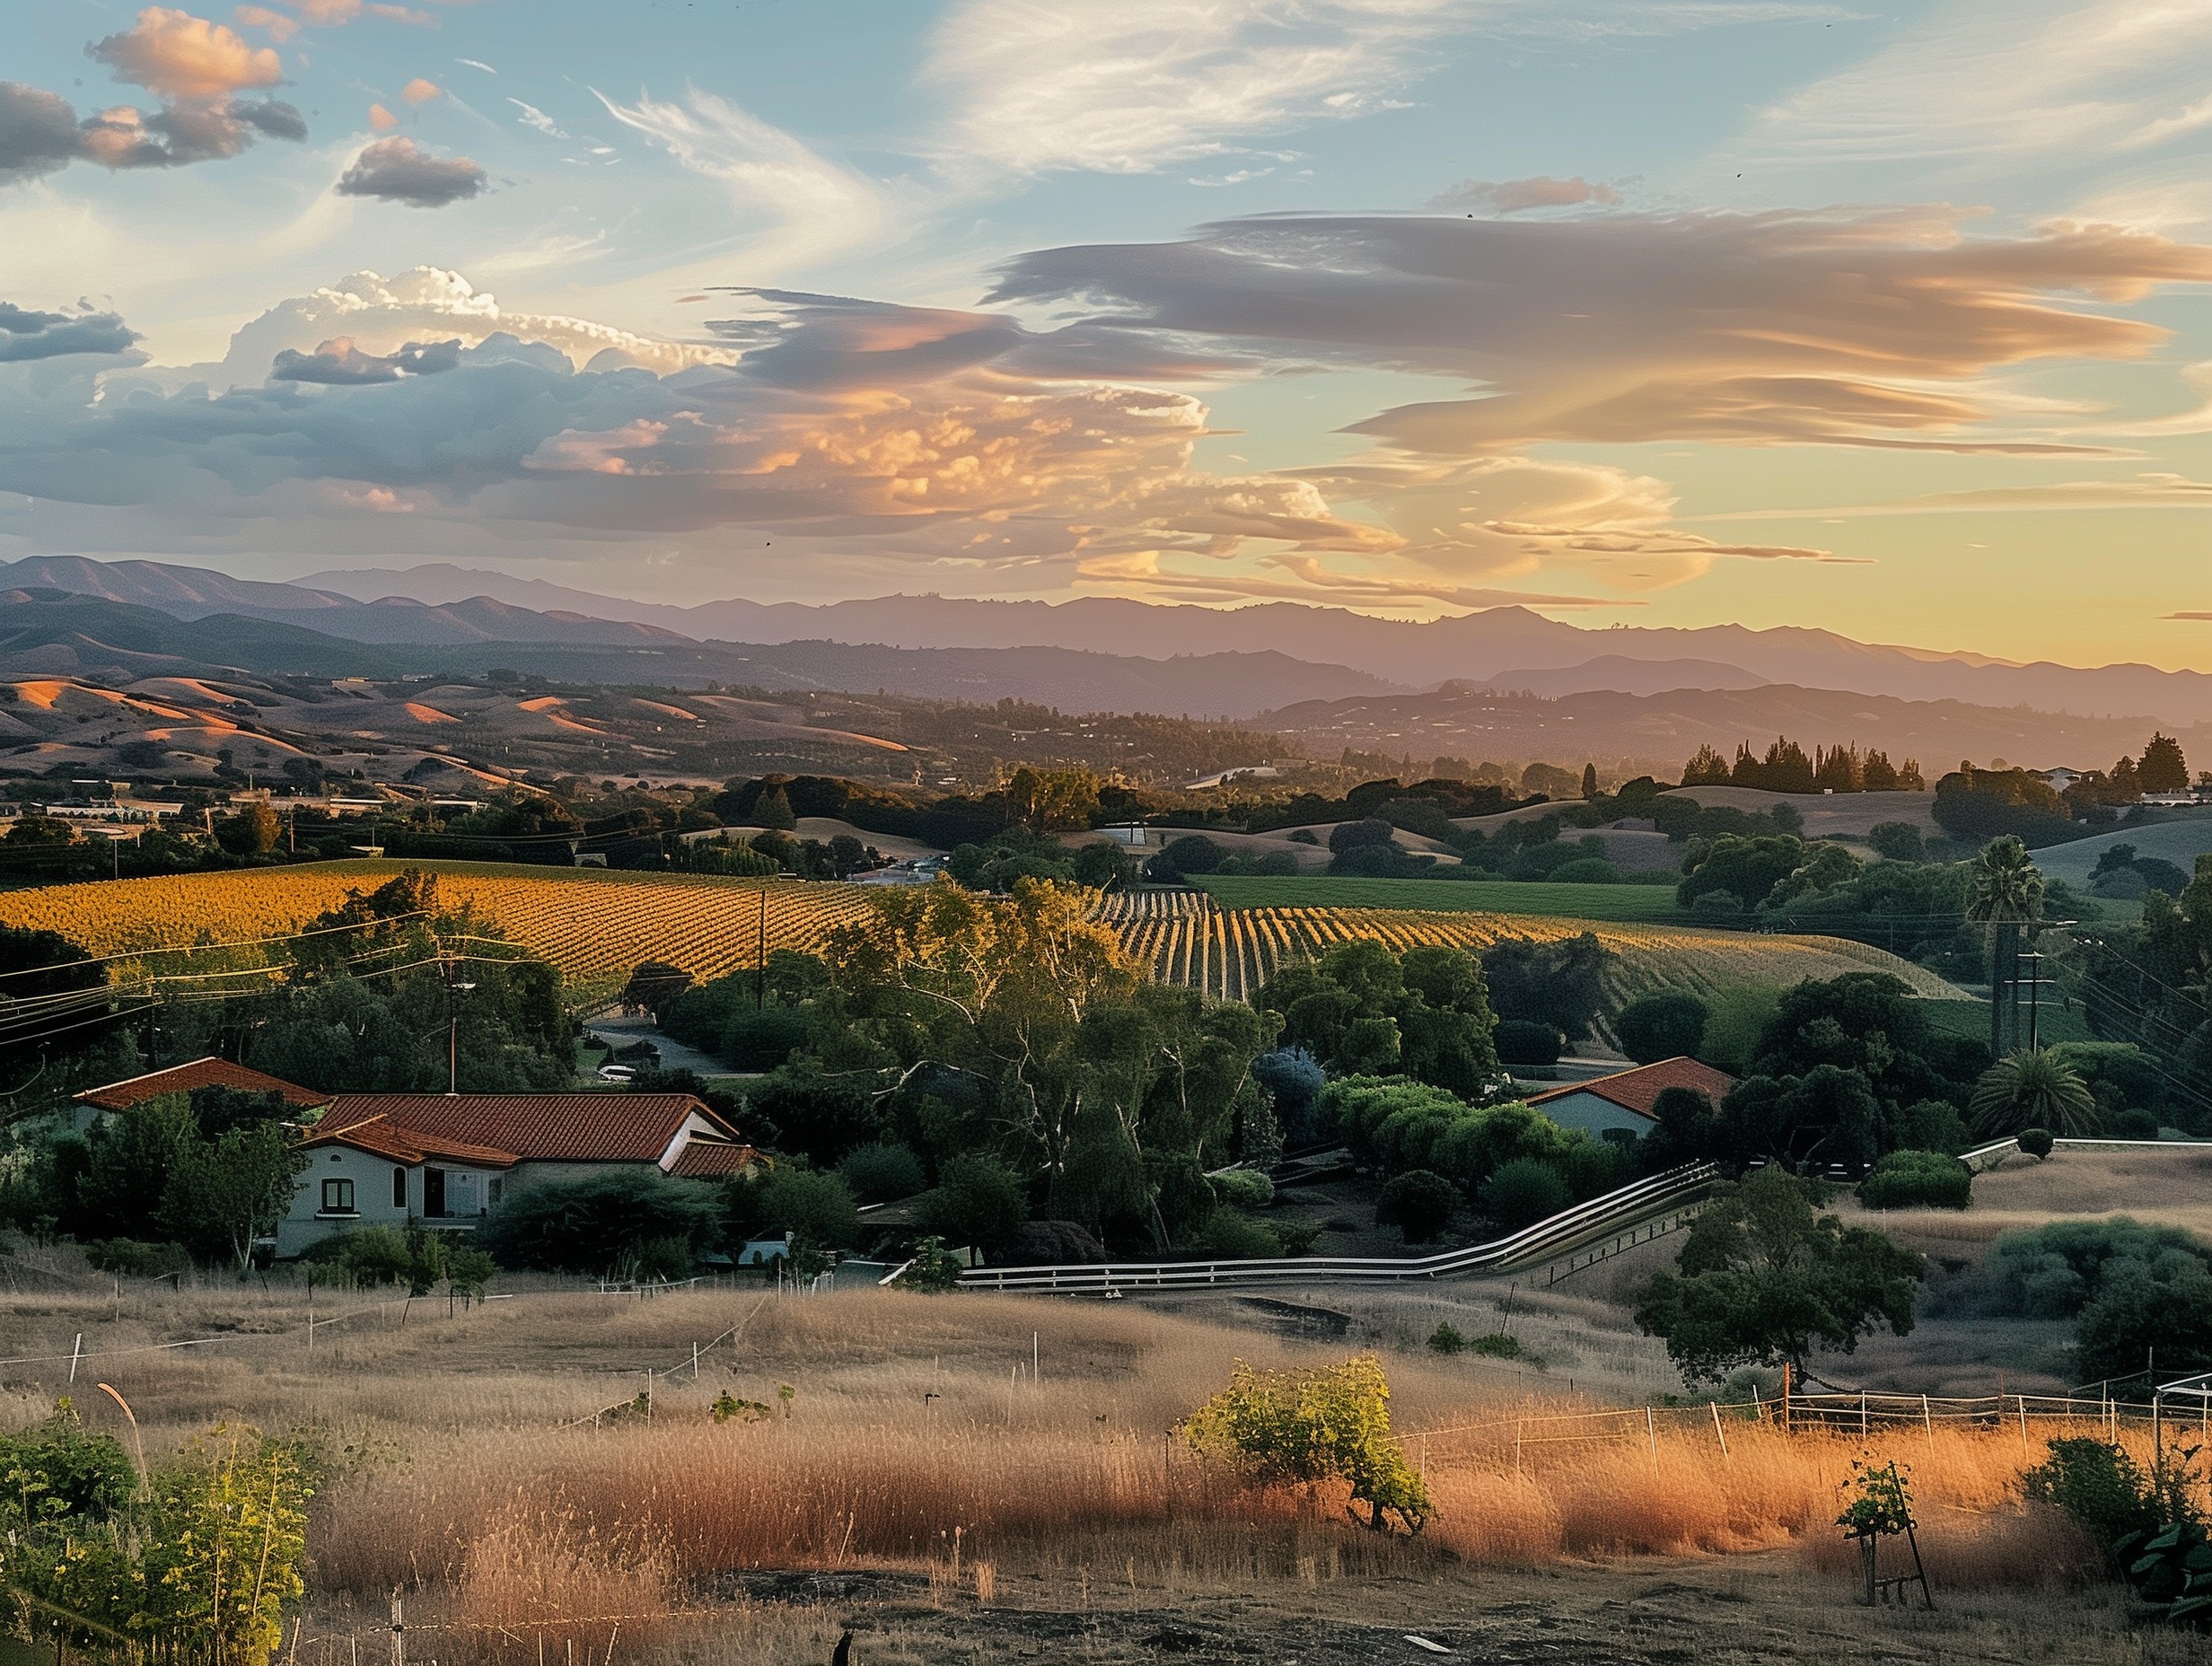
column 1192, row 853
column 815, row 1208
column 1667, row 1024
column 1352, row 834
column 1231, row 1235
column 2098, row 1485
column 597, row 1223
column 979, row 1201
column 1330, row 1424
column 763, row 1040
column 1245, row 1188
column 1420, row 1204
column 1524, row 1191
column 1446, row 1338
column 1897, row 841
column 1049, row 1243
column 1497, row 1346
column 1520, row 1041
column 2037, row 1143
column 1294, row 1079
column 134, row 1259
column 882, row 1173
column 1916, row 1180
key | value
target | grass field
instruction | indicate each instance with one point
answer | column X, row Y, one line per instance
column 919, row 1484
column 1582, row 902
column 2180, row 840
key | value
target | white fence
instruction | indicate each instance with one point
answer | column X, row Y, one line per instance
column 1670, row 1196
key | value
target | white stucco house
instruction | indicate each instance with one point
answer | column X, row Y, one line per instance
column 444, row 1161
column 1620, row 1106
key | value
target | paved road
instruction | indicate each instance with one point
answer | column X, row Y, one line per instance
column 620, row 1031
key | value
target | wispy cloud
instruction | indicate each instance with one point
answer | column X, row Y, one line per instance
column 2028, row 78
column 816, row 206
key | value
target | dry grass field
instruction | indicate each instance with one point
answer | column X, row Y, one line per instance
column 920, row 1484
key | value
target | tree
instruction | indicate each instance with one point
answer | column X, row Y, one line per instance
column 1668, row 1023
column 814, row 1208
column 1329, row 1424
column 979, row 1200
column 2004, row 891
column 1897, row 841
column 1763, row 1279
column 1746, row 867
column 773, row 812
column 1524, row 1191
column 2162, row 769
column 221, row 1194
column 1559, row 983
column 2033, row 1089
column 1419, row 1203
column 1589, row 782
column 1706, row 767
column 601, row 1223
column 1047, row 799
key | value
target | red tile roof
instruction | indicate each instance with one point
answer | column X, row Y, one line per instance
column 200, row 1073
column 405, row 1145
column 557, row 1127
column 1638, row 1090
column 714, row 1160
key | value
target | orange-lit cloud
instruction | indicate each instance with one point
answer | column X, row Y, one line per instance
column 381, row 119
column 177, row 56
column 421, row 92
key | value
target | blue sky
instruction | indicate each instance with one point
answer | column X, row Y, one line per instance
column 1667, row 312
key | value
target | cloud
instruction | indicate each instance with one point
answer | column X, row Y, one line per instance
column 28, row 335
column 1865, row 327
column 819, row 206
column 177, row 56
column 400, row 171
column 421, row 92
column 37, row 131
column 532, row 117
column 381, row 119
column 384, row 314
column 197, row 67
column 2002, row 84
column 2158, row 490
column 339, row 363
column 279, row 27
column 1514, row 195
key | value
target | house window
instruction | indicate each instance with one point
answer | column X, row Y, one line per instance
column 337, row 1197
column 497, row 1189
column 398, row 1189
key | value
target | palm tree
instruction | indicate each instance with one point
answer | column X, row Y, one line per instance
column 2034, row 1089
column 2004, row 891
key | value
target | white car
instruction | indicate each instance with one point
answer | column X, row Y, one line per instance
column 617, row 1073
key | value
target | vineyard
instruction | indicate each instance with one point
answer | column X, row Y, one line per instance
column 597, row 924
column 1183, row 938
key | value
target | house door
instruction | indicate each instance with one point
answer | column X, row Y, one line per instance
column 433, row 1193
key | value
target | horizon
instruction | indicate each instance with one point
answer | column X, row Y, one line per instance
column 1628, row 313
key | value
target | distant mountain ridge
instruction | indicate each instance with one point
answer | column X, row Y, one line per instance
column 1476, row 646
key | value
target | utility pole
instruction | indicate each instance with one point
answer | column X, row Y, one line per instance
column 761, row 956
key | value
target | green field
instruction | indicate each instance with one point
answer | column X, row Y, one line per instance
column 1586, row 902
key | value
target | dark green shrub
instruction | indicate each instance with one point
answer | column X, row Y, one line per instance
column 1233, row 1235
column 1667, row 1024
column 1497, row 1346
column 598, row 1222
column 1524, row 1191
column 979, row 1200
column 1420, row 1204
column 1446, row 1338
column 765, row 1040
column 1917, row 1180
column 882, row 1173
column 134, row 1259
column 1520, row 1041
column 1585, row 870
column 810, row 1206
column 2037, row 1143
column 1194, row 853
column 2100, row 1485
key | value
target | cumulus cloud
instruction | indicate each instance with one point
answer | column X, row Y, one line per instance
column 196, row 66
column 400, row 171
column 382, row 314
column 1859, row 327
column 421, row 92
column 177, row 56
column 1515, row 196
column 340, row 362
column 27, row 335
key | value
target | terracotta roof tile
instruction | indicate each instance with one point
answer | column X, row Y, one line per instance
column 1638, row 1090
column 200, row 1073
column 559, row 1127
column 404, row 1146
column 714, row 1160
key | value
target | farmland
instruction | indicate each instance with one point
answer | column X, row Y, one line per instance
column 1184, row 938
column 597, row 924
column 1581, row 902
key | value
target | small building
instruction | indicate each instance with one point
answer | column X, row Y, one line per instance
column 1618, row 1107
column 447, row 1160
column 196, row 1073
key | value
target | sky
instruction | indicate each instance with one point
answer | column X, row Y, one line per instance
column 1894, row 319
